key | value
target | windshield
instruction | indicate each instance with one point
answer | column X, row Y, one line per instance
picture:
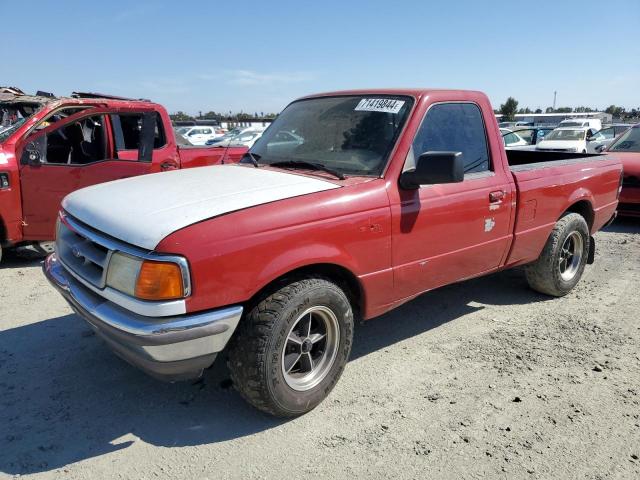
column 352, row 135
column 6, row 132
column 572, row 124
column 628, row 141
column 566, row 135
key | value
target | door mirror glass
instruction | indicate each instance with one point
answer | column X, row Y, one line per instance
column 34, row 152
column 434, row 168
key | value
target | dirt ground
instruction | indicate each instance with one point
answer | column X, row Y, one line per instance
column 480, row 379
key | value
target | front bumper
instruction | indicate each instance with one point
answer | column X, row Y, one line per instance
column 170, row 348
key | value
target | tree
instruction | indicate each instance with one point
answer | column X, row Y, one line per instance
column 615, row 111
column 538, row 110
column 180, row 116
column 508, row 109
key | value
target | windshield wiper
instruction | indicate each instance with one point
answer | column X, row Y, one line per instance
column 305, row 164
column 254, row 157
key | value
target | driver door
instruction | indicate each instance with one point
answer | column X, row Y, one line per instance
column 61, row 158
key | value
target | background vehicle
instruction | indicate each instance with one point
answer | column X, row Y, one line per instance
column 200, row 135
column 533, row 135
column 572, row 139
column 246, row 138
column 63, row 144
column 627, row 149
column 610, row 132
column 383, row 195
column 512, row 139
column 594, row 123
column 513, row 125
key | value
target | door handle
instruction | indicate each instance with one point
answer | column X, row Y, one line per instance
column 168, row 166
column 497, row 196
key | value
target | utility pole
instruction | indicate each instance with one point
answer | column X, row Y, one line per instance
column 555, row 95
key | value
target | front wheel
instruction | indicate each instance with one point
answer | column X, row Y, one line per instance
column 291, row 348
column 562, row 261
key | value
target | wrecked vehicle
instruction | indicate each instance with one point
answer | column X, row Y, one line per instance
column 350, row 204
column 52, row 146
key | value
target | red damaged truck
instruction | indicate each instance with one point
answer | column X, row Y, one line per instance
column 350, row 204
column 51, row 146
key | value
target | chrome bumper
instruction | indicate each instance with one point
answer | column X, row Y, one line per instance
column 171, row 348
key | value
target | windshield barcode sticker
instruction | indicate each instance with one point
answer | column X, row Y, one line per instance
column 386, row 105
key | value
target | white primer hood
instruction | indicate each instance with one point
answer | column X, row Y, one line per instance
column 145, row 209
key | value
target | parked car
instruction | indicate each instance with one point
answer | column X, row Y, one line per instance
column 627, row 149
column 572, row 139
column 233, row 135
column 512, row 125
column 610, row 132
column 200, row 134
column 68, row 143
column 594, row 123
column 533, row 135
column 512, row 139
column 388, row 194
column 247, row 138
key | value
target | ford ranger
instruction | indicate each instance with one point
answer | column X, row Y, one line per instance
column 52, row 146
column 380, row 196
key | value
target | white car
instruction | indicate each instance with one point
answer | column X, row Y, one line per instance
column 245, row 139
column 200, row 135
column 512, row 139
column 572, row 139
column 594, row 123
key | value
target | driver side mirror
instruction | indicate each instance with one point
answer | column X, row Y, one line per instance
column 433, row 168
column 32, row 154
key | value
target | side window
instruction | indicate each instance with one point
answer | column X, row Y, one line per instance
column 455, row 127
column 127, row 128
column 58, row 115
column 78, row 143
column 510, row 139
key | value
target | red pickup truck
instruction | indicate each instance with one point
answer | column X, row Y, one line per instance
column 51, row 146
column 350, row 204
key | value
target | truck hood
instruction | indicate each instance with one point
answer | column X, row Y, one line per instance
column 143, row 210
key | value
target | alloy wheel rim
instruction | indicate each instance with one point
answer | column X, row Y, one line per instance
column 311, row 348
column 570, row 256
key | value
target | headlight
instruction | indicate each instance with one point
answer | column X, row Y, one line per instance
column 147, row 279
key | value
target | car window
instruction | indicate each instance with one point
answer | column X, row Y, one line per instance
column 455, row 127
column 127, row 128
column 77, row 143
column 526, row 135
column 628, row 141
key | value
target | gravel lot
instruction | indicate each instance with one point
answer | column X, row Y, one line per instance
column 480, row 379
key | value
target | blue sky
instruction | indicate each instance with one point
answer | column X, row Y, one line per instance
column 258, row 56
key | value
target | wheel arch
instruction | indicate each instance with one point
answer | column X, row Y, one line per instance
column 583, row 207
column 340, row 275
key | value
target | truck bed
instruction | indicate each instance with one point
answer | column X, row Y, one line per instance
column 548, row 183
column 201, row 156
column 520, row 160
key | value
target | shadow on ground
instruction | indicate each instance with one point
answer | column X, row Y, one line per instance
column 65, row 398
column 624, row 225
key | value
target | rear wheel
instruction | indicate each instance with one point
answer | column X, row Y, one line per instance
column 563, row 259
column 291, row 348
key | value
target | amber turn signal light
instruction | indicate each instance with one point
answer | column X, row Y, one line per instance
column 159, row 281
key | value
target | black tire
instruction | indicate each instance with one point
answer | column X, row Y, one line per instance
column 545, row 274
column 256, row 353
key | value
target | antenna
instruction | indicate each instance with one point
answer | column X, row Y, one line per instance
column 555, row 95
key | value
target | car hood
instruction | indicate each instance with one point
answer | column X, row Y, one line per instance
column 561, row 144
column 143, row 210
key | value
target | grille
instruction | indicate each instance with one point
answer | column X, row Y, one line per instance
column 80, row 254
